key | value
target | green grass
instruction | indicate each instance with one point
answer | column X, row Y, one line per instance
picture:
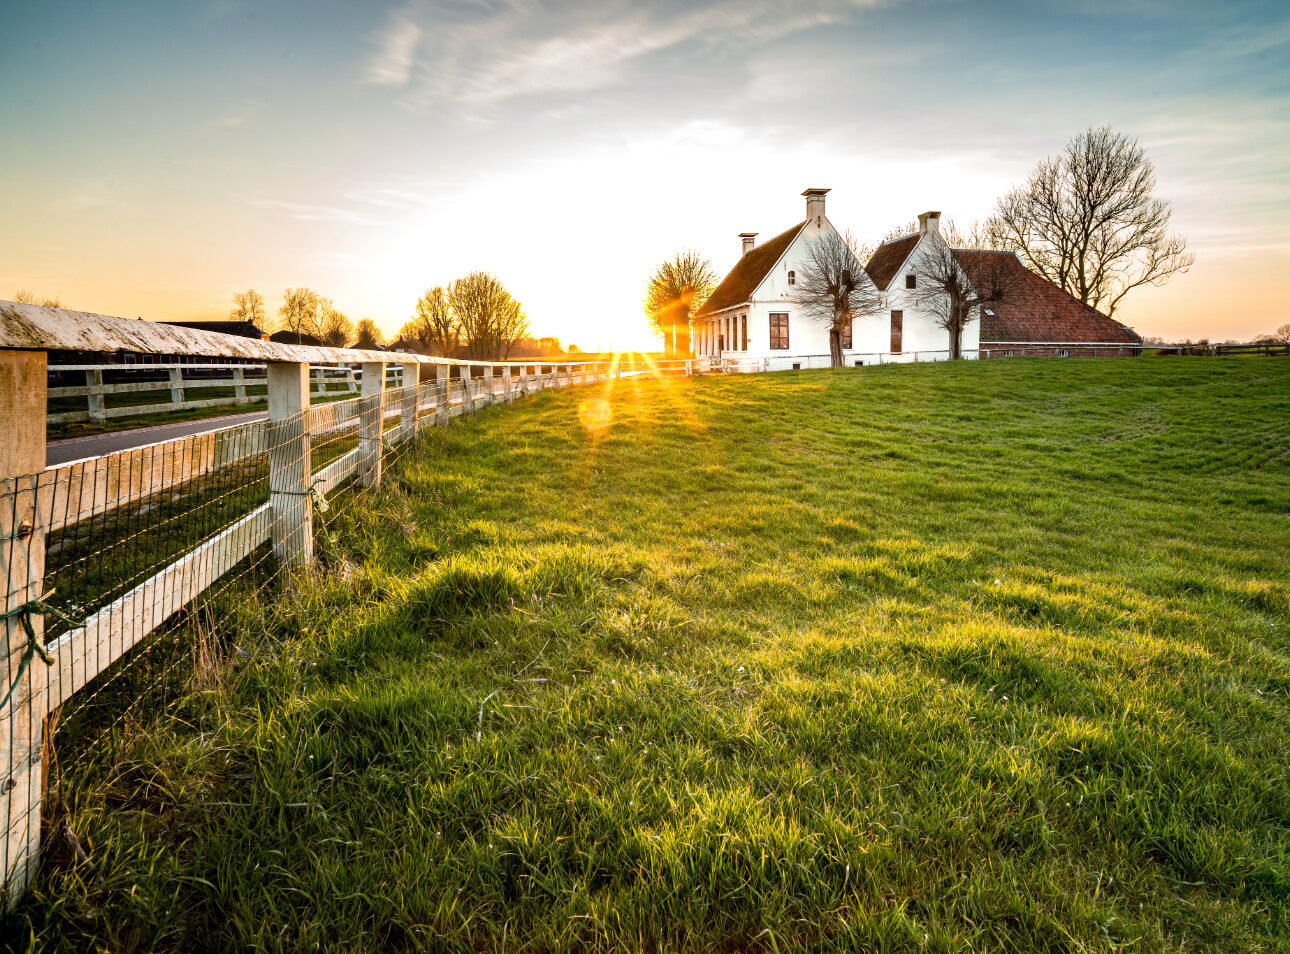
column 986, row 656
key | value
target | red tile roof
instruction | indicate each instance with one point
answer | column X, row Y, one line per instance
column 738, row 286
column 1037, row 310
column 885, row 262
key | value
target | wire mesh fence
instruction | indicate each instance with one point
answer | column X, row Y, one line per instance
column 141, row 566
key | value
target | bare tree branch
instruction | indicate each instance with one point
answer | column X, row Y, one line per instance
column 832, row 287
column 491, row 320
column 434, row 326
column 1088, row 221
column 248, row 306
column 953, row 287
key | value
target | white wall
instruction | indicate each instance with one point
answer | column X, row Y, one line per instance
column 922, row 339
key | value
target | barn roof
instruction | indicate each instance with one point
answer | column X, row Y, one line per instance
column 1038, row 310
column 749, row 272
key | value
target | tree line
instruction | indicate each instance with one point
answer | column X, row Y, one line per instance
column 1087, row 219
column 475, row 313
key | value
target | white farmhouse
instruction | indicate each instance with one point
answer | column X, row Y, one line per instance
column 750, row 322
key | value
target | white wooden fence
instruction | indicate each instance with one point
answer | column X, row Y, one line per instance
column 179, row 379
column 36, row 501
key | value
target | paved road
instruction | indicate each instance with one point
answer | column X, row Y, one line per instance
column 94, row 445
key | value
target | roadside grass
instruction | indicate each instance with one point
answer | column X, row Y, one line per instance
column 986, row 655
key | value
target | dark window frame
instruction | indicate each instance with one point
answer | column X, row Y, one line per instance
column 911, row 281
column 779, row 340
column 897, row 344
column 792, row 277
column 848, row 336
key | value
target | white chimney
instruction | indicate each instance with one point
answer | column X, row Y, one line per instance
column 815, row 203
column 929, row 222
column 749, row 239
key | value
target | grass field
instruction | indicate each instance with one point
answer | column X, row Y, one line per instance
column 989, row 656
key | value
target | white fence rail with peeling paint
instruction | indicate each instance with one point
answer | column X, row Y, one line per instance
column 60, row 513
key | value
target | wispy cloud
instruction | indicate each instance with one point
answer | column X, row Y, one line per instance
column 396, row 45
column 494, row 52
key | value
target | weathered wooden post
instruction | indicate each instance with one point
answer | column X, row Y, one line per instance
column 441, row 384
column 290, row 462
column 489, row 397
column 508, row 393
column 409, row 399
column 176, row 385
column 371, row 421
column 23, row 387
column 239, row 386
column 94, row 381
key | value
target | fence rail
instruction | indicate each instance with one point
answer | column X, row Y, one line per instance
column 103, row 556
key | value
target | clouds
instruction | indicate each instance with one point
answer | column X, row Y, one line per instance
column 474, row 58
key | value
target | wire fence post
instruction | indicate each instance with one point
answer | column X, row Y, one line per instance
column 409, row 398
column 23, row 384
column 371, row 421
column 239, row 386
column 508, row 390
column 441, row 409
column 290, row 462
column 488, row 384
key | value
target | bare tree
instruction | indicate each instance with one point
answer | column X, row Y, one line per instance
column 832, row 287
column 491, row 320
column 24, row 297
column 366, row 334
column 301, row 310
column 248, row 306
column 1088, row 220
column 1282, row 334
column 337, row 329
column 434, row 326
column 677, row 289
column 953, row 287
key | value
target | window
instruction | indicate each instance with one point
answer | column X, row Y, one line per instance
column 1063, row 353
column 859, row 364
column 911, row 281
column 779, row 332
column 792, row 278
column 897, row 331
column 797, row 366
column 1007, row 353
column 743, row 322
column 846, row 337
column 990, row 312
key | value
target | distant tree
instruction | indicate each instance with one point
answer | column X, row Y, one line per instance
column 833, row 288
column 366, row 335
column 572, row 349
column 677, row 289
column 953, row 293
column 433, row 326
column 301, row 311
column 248, row 306
column 1088, row 220
column 491, row 320
column 24, row 297
column 1282, row 334
column 336, row 329
column 549, row 344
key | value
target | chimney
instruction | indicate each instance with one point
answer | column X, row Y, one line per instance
column 749, row 240
column 929, row 222
column 815, row 203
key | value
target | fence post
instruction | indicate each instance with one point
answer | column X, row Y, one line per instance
column 94, row 379
column 239, row 386
column 409, row 401
column 23, row 391
column 176, row 385
column 488, row 384
column 371, row 421
column 508, row 393
column 441, row 400
column 290, row 462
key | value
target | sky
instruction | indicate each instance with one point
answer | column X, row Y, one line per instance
column 159, row 157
